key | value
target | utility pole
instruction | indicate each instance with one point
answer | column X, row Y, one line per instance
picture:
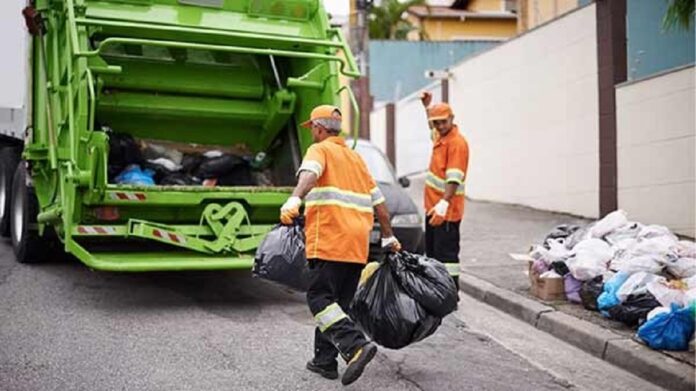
column 612, row 69
column 360, row 42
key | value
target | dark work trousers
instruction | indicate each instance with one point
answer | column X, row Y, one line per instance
column 331, row 289
column 442, row 243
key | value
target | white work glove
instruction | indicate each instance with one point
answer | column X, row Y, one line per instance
column 438, row 212
column 290, row 210
column 392, row 243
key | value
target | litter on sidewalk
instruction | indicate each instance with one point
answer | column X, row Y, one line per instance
column 640, row 275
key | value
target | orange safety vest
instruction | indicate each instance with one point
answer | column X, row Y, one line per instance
column 448, row 164
column 339, row 209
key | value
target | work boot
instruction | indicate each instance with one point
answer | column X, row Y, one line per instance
column 357, row 364
column 326, row 371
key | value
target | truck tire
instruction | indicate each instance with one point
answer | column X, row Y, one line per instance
column 24, row 208
column 9, row 158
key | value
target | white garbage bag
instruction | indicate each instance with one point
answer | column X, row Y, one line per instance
column 685, row 249
column 556, row 252
column 646, row 255
column 654, row 231
column 641, row 263
column 547, row 256
column 665, row 294
column 578, row 236
column 636, row 284
column 660, row 245
column 557, row 249
column 690, row 282
column 628, row 232
column 690, row 296
column 590, row 259
column 682, row 267
column 609, row 223
column 658, row 310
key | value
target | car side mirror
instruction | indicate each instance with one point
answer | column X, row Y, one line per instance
column 404, row 182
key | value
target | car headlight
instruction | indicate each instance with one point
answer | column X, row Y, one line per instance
column 409, row 220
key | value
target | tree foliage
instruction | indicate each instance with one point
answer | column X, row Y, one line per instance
column 388, row 21
column 679, row 13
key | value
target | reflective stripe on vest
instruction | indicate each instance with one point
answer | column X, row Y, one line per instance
column 328, row 316
column 452, row 268
column 377, row 196
column 312, row 166
column 455, row 175
column 335, row 196
column 437, row 183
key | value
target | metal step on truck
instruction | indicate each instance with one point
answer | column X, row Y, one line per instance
column 192, row 79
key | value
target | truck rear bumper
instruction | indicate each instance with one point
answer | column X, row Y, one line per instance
column 158, row 261
column 185, row 195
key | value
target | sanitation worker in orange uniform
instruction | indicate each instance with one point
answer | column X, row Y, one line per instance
column 340, row 199
column 444, row 186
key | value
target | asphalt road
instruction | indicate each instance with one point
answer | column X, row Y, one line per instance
column 65, row 327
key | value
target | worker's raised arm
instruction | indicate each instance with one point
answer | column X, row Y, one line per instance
column 426, row 98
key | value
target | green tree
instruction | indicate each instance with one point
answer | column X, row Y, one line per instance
column 387, row 20
column 679, row 13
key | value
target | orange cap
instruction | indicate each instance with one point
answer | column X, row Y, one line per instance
column 323, row 112
column 439, row 111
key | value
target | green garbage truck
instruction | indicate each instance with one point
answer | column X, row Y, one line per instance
column 112, row 87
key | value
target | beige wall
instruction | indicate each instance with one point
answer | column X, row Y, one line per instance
column 536, row 12
column 529, row 109
column 486, row 5
column 656, row 157
column 449, row 29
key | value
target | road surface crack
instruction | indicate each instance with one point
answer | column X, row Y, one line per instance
column 401, row 375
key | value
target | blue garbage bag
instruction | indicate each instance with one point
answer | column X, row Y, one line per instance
column 608, row 297
column 134, row 175
column 669, row 331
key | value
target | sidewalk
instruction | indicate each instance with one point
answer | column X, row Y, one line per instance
column 490, row 232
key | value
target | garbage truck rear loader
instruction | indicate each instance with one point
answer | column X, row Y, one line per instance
column 192, row 78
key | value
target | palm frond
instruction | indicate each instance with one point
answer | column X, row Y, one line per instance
column 679, row 13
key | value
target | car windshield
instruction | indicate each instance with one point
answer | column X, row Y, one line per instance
column 377, row 163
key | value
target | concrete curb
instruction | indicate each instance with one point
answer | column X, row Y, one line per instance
column 618, row 350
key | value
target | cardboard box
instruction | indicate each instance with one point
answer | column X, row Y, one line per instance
column 547, row 289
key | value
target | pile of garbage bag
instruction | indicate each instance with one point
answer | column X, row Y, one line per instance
column 146, row 163
column 403, row 299
column 281, row 257
column 641, row 275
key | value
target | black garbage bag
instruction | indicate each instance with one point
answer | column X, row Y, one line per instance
column 191, row 162
column 634, row 310
column 123, row 151
column 590, row 291
column 161, row 171
column 388, row 314
column 218, row 166
column 238, row 176
column 560, row 267
column 281, row 257
column 560, row 232
column 179, row 179
column 427, row 281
